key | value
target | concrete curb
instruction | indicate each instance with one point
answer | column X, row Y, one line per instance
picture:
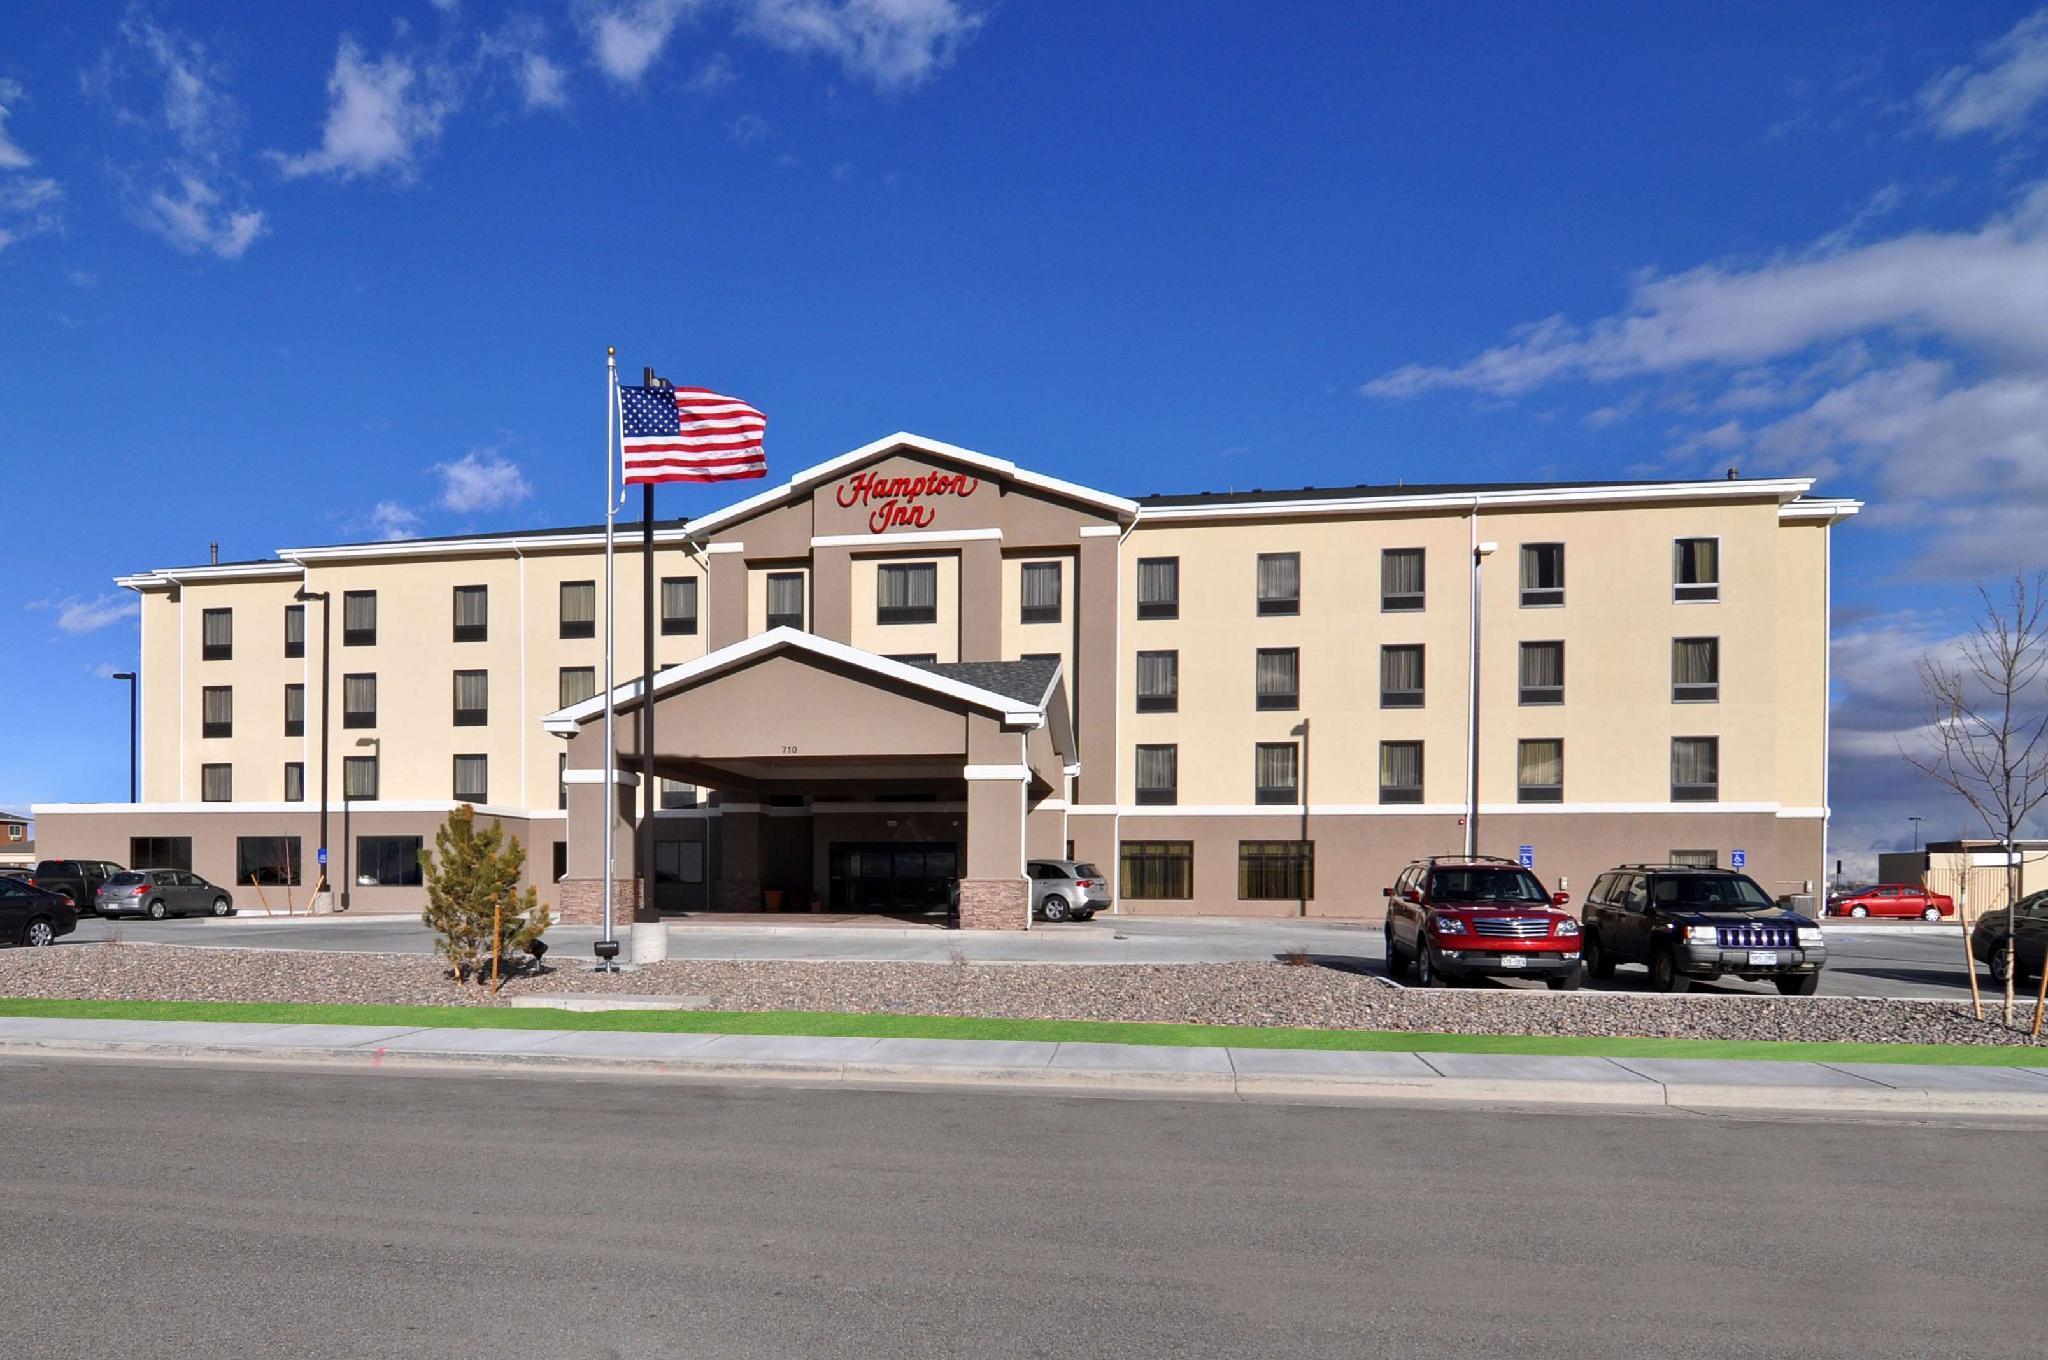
column 1627, row 1091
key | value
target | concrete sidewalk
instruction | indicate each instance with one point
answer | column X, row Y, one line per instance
column 1246, row 1073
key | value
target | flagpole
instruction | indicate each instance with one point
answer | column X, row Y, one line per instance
column 649, row 800
column 611, row 747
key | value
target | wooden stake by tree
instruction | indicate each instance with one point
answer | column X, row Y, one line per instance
column 1989, row 731
column 473, row 898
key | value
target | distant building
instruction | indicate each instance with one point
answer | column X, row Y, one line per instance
column 17, row 839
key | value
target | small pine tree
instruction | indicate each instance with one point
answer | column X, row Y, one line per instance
column 472, row 877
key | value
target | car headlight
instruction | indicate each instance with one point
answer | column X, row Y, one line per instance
column 1703, row 935
column 1447, row 925
column 1567, row 927
column 1810, row 936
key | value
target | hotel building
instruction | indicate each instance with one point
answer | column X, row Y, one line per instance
column 916, row 665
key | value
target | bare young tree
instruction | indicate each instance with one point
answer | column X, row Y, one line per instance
column 1988, row 729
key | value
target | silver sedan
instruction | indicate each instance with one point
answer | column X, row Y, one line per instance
column 157, row 893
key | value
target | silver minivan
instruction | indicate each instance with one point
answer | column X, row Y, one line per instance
column 1067, row 889
column 157, row 893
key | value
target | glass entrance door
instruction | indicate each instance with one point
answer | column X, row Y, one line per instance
column 913, row 877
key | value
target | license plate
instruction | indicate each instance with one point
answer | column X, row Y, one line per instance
column 1763, row 958
column 1511, row 961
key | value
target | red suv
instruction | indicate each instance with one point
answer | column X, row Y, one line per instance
column 1457, row 916
column 1894, row 899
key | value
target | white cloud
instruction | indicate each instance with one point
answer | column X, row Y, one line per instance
column 541, row 82
column 193, row 220
column 1999, row 93
column 481, row 479
column 380, row 115
column 392, row 521
column 28, row 207
column 78, row 616
column 749, row 129
column 627, row 39
column 714, row 75
column 893, row 43
column 12, row 157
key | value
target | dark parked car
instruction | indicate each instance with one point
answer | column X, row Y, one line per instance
column 33, row 916
column 157, row 893
column 1990, row 946
column 1457, row 916
column 77, row 879
column 1688, row 923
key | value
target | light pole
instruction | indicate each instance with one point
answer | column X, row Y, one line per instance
column 348, row 840
column 134, row 788
column 1916, row 832
column 1301, row 880
column 1480, row 552
column 326, row 665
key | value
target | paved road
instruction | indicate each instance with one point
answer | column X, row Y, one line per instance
column 187, row 1210
column 1867, row 960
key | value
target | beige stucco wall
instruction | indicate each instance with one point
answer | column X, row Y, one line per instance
column 941, row 637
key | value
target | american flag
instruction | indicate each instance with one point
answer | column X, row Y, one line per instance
column 689, row 434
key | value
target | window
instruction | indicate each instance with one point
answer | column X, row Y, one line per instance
column 1158, row 775
column 216, row 783
column 472, row 698
column 1279, row 583
column 785, row 599
column 358, row 777
column 472, row 613
column 1542, row 673
column 294, row 781
column 217, row 711
column 1539, row 771
column 575, row 684
column 1276, row 871
column 295, row 710
column 1276, row 769
column 1156, row 871
column 1697, row 859
column 1277, row 678
column 1158, row 682
column 160, row 852
column 561, row 865
column 676, row 794
column 914, row 658
column 1400, row 579
column 1159, row 587
column 472, row 781
column 679, row 861
column 295, row 630
column 562, row 781
column 905, row 592
column 359, row 618
column 579, row 609
column 1401, row 676
column 1040, row 593
column 1695, row 769
column 217, row 635
column 268, row 860
column 358, row 701
column 678, row 606
column 1695, row 670
column 1696, row 570
column 1400, row 772
column 1542, row 574
column 388, row 862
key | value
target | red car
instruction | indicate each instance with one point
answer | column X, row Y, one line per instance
column 1894, row 899
column 1459, row 916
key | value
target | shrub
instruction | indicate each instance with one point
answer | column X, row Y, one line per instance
column 473, row 895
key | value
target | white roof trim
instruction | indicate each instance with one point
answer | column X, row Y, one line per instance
column 1785, row 489
column 1819, row 508
column 1014, row 712
column 833, row 467
column 311, row 809
column 541, row 540
column 165, row 577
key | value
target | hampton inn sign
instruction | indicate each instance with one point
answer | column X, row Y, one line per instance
column 902, row 502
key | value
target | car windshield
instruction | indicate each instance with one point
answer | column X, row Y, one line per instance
column 1712, row 892
column 126, row 878
column 1485, row 885
column 1087, row 871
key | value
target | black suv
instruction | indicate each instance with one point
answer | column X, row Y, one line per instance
column 1686, row 923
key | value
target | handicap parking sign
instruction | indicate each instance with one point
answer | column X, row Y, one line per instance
column 1528, row 856
column 323, row 857
column 1738, row 859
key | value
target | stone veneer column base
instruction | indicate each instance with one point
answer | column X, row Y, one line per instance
column 580, row 902
column 995, row 903
column 736, row 894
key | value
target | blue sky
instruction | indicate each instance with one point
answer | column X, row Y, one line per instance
column 271, row 278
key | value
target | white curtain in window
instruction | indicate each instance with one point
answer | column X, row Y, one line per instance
column 220, row 627
column 579, row 602
column 471, row 782
column 1159, row 580
column 1401, row 571
column 295, row 783
column 1158, row 675
column 1400, row 764
column 1400, row 669
column 472, row 690
column 577, row 684
column 217, row 783
column 679, row 597
column 907, row 585
column 1695, row 760
column 1276, row 762
column 359, row 611
column 1543, row 665
column 1539, row 764
column 219, row 701
column 1042, row 585
column 1279, row 671
column 359, row 777
column 1158, row 767
column 295, row 627
column 472, row 606
column 1695, row 661
column 359, row 694
column 1699, row 561
column 1280, row 576
column 1543, row 566
column 786, row 595
column 295, row 704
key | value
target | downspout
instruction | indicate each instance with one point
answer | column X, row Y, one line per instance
column 1116, row 815
column 1472, row 692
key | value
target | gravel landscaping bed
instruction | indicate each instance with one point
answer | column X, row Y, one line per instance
column 1206, row 993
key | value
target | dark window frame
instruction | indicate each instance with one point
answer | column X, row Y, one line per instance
column 294, row 622
column 481, row 795
column 373, row 764
column 228, row 770
column 785, row 619
column 1405, row 698
column 1404, row 601
column 1401, row 793
column 1276, row 871
column 294, row 727
column 1158, row 609
column 893, row 615
column 359, row 717
column 1277, row 606
column 1539, row 793
column 1698, row 692
column 359, row 637
column 285, row 868
column 1694, row 592
column 1157, row 796
column 1539, row 696
column 562, row 674
column 1151, row 871
column 146, row 852
column 1042, row 613
column 215, row 728
column 471, row 717
column 681, row 625
column 1168, row 702
column 291, row 768
column 1540, row 596
column 1277, row 701
column 216, row 651
column 471, row 632
column 1696, row 792
column 1276, row 795
column 575, row 628
column 374, row 855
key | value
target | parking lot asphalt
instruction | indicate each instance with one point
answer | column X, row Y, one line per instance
column 1864, row 960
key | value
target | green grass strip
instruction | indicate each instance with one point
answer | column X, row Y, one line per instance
column 816, row 1023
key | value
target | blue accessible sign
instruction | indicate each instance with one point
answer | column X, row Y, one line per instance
column 1738, row 859
column 323, row 857
column 1528, row 856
